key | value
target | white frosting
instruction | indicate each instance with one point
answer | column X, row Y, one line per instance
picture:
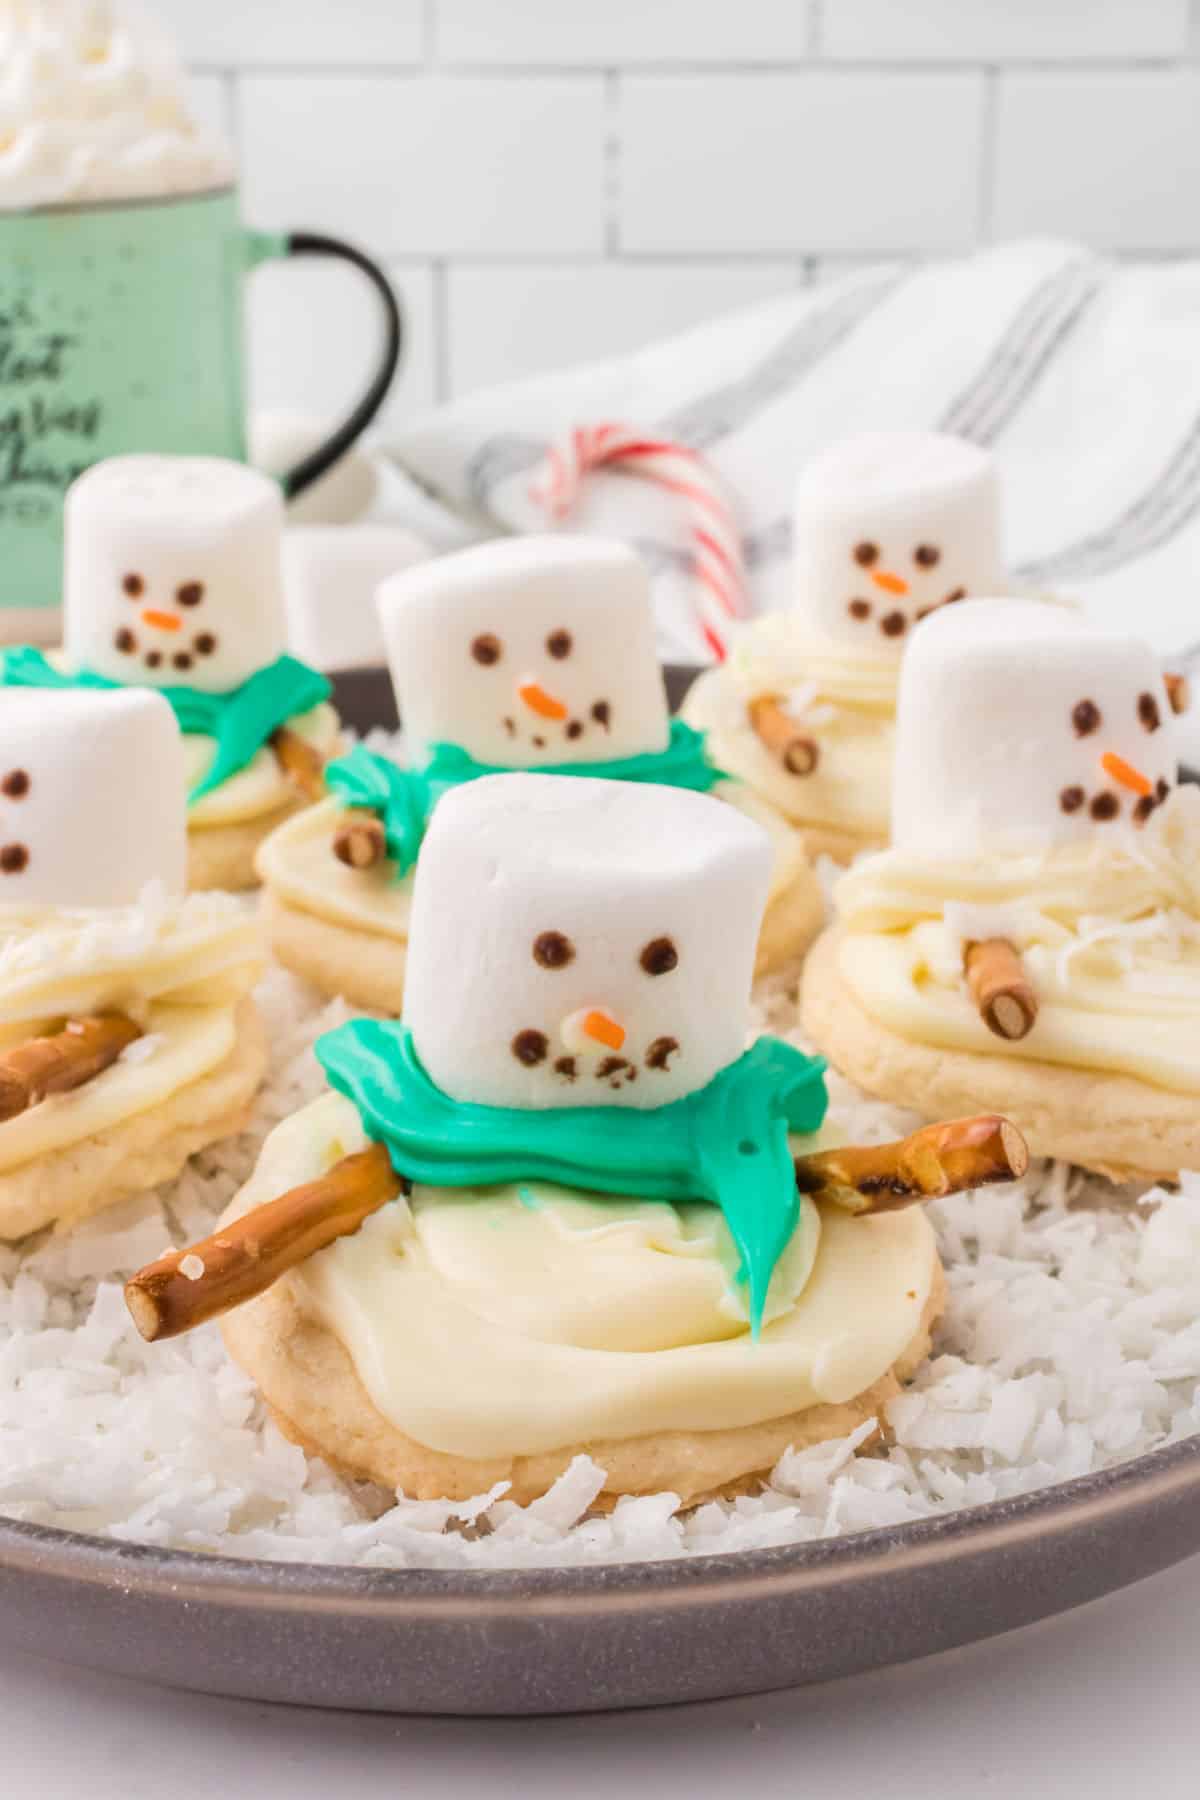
column 531, row 650
column 330, row 574
column 173, row 573
column 1006, row 709
column 92, row 107
column 888, row 526
column 91, row 797
column 612, row 868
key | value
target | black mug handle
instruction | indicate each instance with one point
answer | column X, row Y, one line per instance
column 311, row 467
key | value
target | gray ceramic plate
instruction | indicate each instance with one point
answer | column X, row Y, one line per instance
column 582, row 1640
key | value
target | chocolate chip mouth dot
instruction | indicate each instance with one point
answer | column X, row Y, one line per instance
column 892, row 624
column 1104, row 807
column 124, row 641
column 659, row 956
column 190, row 593
column 1148, row 713
column 865, row 554
column 1071, row 799
column 559, row 644
column 567, row 1067
column 486, row 649
column 530, row 1047
column 927, row 556
column 13, row 858
column 182, row 660
column 153, row 659
column 1085, row 716
column 575, row 729
column 206, row 643
column 659, row 1055
column 602, row 713
column 553, row 950
column 859, row 609
column 16, row 784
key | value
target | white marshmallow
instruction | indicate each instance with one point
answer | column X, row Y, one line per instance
column 542, row 899
column 173, row 572
column 1006, row 708
column 92, row 789
column 280, row 439
column 888, row 526
column 526, row 651
column 330, row 574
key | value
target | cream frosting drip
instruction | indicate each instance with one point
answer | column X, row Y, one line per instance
column 514, row 1320
column 261, row 787
column 1108, row 930
column 846, row 697
column 178, row 967
column 297, row 863
column 92, row 107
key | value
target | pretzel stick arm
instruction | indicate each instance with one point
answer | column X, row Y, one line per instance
column 300, row 761
column 185, row 1288
column 937, row 1160
column 67, row 1059
column 1000, row 988
column 779, row 733
column 359, row 841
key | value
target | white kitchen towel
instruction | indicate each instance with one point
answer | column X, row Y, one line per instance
column 1081, row 374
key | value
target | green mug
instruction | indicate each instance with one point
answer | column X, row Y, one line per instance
column 121, row 330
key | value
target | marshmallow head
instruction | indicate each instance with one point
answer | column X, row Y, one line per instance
column 1020, row 726
column 92, row 792
column 889, row 527
column 531, row 651
column 582, row 943
column 173, row 572
column 331, row 573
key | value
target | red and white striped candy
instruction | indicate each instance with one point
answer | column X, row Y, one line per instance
column 714, row 539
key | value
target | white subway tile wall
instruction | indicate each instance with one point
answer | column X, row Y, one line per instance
column 554, row 181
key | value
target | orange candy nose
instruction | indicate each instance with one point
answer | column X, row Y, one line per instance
column 604, row 1029
column 891, row 584
column 164, row 621
column 1125, row 773
column 539, row 701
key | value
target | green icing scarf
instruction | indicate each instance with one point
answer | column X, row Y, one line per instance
column 728, row 1143
column 404, row 799
column 240, row 721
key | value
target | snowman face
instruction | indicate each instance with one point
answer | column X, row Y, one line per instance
column 529, row 652
column 91, row 797
column 888, row 529
column 582, row 943
column 173, row 572
column 1019, row 726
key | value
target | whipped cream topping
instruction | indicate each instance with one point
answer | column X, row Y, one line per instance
column 93, row 106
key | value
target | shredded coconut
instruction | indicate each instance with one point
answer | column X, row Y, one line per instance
column 1071, row 1341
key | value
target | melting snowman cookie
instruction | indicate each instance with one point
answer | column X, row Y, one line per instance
column 127, row 1036
column 537, row 653
column 1035, row 928
column 172, row 581
column 889, row 529
column 464, row 1263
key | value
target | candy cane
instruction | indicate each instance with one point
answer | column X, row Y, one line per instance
column 715, row 541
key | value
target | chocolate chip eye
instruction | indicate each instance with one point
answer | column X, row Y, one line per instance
column 133, row 585
column 866, row 554
column 190, row 593
column 659, row 956
column 552, row 950
column 486, row 649
column 559, row 644
column 927, row 556
column 15, row 784
column 1086, row 718
column 1148, row 713
column 530, row 1048
column 13, row 858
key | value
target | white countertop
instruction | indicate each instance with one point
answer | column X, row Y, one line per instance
column 1103, row 1701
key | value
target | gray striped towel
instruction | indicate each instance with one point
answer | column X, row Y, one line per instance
column 1081, row 374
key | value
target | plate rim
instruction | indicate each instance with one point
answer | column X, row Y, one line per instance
column 88, row 1560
